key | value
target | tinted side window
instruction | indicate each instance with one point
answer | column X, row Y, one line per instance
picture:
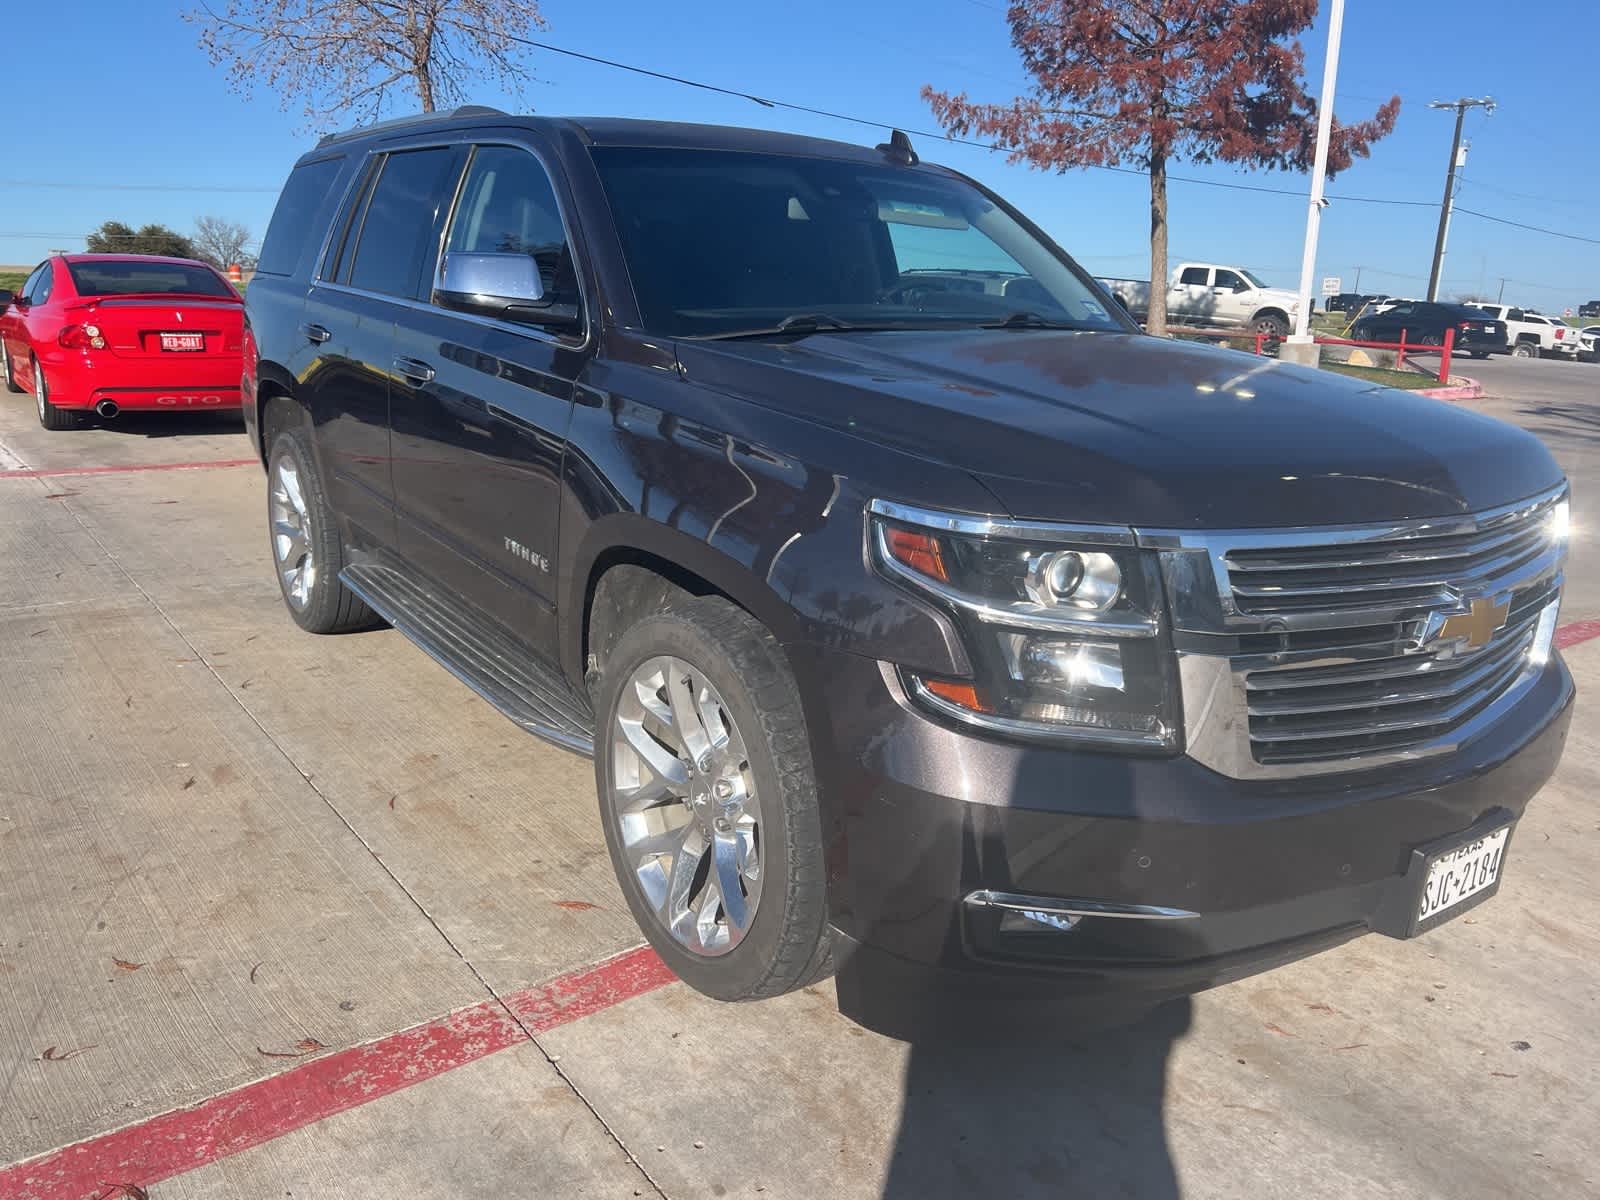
column 399, row 222
column 1194, row 275
column 1227, row 279
column 1515, row 314
column 44, row 285
column 32, row 282
column 509, row 207
column 294, row 227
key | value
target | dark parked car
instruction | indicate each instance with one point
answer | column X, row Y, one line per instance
column 905, row 614
column 1591, row 309
column 1425, row 323
column 1343, row 302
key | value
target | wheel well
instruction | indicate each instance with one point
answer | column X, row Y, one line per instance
column 626, row 585
column 278, row 410
column 1270, row 312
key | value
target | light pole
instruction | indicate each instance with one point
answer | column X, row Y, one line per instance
column 1448, row 203
column 1319, row 174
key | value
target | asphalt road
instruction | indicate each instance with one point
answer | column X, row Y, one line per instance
column 1559, row 401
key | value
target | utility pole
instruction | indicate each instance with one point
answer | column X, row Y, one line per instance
column 1448, row 203
column 1499, row 297
column 1357, row 288
column 1319, row 178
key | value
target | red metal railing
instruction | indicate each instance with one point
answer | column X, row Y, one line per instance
column 1401, row 348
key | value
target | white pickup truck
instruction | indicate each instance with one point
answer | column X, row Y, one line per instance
column 1531, row 334
column 1212, row 295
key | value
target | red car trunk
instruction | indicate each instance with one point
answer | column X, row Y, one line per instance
column 170, row 326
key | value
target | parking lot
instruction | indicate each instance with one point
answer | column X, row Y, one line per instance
column 295, row 916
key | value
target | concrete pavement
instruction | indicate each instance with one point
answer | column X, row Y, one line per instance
column 331, row 924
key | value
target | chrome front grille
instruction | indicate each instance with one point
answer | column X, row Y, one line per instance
column 1313, row 651
column 1388, row 704
column 1425, row 565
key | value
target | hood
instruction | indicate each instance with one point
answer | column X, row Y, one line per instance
column 1126, row 429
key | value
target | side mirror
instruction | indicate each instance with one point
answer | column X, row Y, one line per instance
column 497, row 285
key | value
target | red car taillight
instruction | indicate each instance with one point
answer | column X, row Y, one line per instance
column 82, row 337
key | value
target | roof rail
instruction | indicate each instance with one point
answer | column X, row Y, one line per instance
column 464, row 110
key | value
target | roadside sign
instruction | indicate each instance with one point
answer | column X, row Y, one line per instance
column 1332, row 285
column 1568, row 313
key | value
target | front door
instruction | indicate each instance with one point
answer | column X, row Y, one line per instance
column 481, row 406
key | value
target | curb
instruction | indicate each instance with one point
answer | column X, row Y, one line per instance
column 1467, row 389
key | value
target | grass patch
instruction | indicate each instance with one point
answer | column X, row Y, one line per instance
column 1408, row 380
column 12, row 281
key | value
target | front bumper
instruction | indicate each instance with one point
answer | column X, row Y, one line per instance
column 919, row 816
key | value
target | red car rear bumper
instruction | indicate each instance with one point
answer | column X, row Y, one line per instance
column 168, row 383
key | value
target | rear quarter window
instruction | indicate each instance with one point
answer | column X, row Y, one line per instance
column 296, row 224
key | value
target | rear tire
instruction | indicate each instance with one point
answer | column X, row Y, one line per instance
column 307, row 551
column 9, row 372
column 704, row 678
column 51, row 417
column 1525, row 350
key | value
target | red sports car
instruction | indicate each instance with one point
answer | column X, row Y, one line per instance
column 107, row 332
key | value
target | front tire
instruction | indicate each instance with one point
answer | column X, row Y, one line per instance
column 709, row 801
column 1270, row 324
column 307, row 551
column 51, row 417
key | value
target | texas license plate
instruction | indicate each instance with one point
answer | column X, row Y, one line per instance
column 183, row 341
column 1458, row 874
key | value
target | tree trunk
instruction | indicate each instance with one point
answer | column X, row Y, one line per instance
column 424, row 87
column 1156, row 319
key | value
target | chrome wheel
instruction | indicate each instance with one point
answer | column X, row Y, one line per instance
column 685, row 806
column 39, row 391
column 291, row 533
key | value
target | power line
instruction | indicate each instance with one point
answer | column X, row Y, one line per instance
column 768, row 102
column 1571, row 237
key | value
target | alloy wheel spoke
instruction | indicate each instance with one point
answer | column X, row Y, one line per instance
column 681, row 687
column 725, row 872
column 661, row 765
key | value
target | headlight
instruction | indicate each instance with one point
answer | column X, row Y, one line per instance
column 1065, row 629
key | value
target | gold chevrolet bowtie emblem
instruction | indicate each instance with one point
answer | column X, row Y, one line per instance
column 1475, row 626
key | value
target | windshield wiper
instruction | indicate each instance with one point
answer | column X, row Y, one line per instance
column 1028, row 319
column 795, row 323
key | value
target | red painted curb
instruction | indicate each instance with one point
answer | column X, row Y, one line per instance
column 1467, row 389
column 47, row 472
column 146, row 1153
column 1575, row 632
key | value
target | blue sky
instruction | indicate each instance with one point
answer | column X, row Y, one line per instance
column 123, row 100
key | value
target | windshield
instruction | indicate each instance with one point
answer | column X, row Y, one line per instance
column 112, row 278
column 1255, row 280
column 721, row 242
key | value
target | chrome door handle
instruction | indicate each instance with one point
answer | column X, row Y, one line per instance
column 316, row 333
column 414, row 370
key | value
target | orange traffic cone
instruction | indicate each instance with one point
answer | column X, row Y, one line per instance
column 235, row 273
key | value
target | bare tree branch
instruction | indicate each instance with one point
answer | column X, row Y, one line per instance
column 345, row 59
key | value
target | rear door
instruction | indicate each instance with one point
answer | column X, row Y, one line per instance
column 482, row 405
column 1191, row 295
column 371, row 274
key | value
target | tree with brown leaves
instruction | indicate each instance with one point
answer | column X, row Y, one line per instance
column 345, row 58
column 1149, row 81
